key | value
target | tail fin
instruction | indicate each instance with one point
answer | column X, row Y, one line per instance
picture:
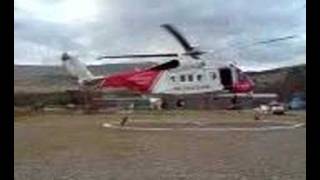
column 76, row 68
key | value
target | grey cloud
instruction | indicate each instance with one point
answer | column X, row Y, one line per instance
column 44, row 33
column 125, row 26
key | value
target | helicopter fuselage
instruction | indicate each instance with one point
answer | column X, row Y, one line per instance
column 187, row 78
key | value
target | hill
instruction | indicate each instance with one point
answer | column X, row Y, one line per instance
column 54, row 79
column 283, row 81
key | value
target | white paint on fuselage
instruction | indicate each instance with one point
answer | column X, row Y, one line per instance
column 189, row 78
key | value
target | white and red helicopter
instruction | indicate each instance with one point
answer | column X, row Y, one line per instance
column 183, row 74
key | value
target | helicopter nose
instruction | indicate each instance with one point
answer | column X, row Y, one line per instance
column 243, row 86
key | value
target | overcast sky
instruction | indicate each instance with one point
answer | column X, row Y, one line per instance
column 43, row 29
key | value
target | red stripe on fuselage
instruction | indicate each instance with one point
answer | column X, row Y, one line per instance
column 243, row 84
column 140, row 81
column 243, row 87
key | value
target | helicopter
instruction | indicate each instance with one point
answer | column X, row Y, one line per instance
column 182, row 74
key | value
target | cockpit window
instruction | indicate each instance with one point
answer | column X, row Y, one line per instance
column 199, row 77
column 173, row 78
column 241, row 76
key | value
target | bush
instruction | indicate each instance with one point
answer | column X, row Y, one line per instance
column 41, row 99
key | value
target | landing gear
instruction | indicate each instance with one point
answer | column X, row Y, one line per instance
column 234, row 103
column 180, row 103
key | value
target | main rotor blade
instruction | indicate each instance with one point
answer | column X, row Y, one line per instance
column 139, row 56
column 276, row 39
column 178, row 36
column 273, row 40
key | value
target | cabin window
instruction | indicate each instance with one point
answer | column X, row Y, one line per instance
column 199, row 77
column 182, row 78
column 213, row 75
column 173, row 78
column 190, row 77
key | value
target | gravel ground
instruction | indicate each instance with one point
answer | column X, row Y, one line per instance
column 66, row 146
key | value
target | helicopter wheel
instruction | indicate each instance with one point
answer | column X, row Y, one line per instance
column 180, row 103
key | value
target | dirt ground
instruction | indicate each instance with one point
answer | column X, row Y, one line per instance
column 68, row 145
